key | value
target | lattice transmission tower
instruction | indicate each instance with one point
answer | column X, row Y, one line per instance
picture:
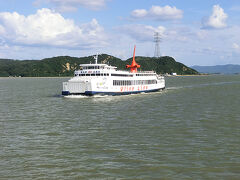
column 157, row 40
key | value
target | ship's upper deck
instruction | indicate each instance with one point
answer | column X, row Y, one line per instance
column 106, row 70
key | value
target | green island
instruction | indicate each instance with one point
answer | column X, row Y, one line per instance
column 63, row 66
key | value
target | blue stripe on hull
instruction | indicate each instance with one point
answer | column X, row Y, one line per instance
column 91, row 93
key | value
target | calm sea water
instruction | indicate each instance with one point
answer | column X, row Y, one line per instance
column 191, row 130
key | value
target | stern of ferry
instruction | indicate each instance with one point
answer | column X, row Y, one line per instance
column 75, row 88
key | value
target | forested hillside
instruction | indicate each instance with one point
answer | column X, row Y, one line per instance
column 65, row 65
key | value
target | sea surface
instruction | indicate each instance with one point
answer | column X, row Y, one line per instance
column 191, row 130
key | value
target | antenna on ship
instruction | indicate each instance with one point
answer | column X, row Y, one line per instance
column 96, row 58
column 157, row 40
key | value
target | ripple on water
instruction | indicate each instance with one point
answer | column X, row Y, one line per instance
column 188, row 131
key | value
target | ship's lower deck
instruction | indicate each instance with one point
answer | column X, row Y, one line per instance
column 92, row 93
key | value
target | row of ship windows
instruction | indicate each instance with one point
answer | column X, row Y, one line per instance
column 107, row 74
column 145, row 74
column 93, row 67
column 133, row 82
column 123, row 75
column 99, row 74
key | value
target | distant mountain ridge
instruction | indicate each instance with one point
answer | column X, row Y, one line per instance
column 65, row 65
column 218, row 69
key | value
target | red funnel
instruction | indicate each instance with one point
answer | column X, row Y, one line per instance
column 134, row 65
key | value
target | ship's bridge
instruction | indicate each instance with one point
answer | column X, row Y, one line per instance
column 96, row 66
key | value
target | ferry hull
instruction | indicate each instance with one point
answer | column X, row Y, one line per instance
column 103, row 79
column 92, row 93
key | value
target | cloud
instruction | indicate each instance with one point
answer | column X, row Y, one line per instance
column 158, row 13
column 49, row 28
column 145, row 33
column 141, row 32
column 235, row 8
column 236, row 47
column 73, row 5
column 217, row 20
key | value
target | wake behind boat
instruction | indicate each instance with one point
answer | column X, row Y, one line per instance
column 104, row 79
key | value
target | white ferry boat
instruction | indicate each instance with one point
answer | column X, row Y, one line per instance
column 104, row 79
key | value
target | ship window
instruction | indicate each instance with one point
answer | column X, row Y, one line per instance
column 91, row 67
column 118, row 82
column 122, row 75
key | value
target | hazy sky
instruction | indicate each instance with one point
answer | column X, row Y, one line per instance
column 194, row 32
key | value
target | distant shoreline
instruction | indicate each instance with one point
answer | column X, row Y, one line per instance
column 35, row 77
column 186, row 75
column 192, row 75
column 189, row 75
column 196, row 75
